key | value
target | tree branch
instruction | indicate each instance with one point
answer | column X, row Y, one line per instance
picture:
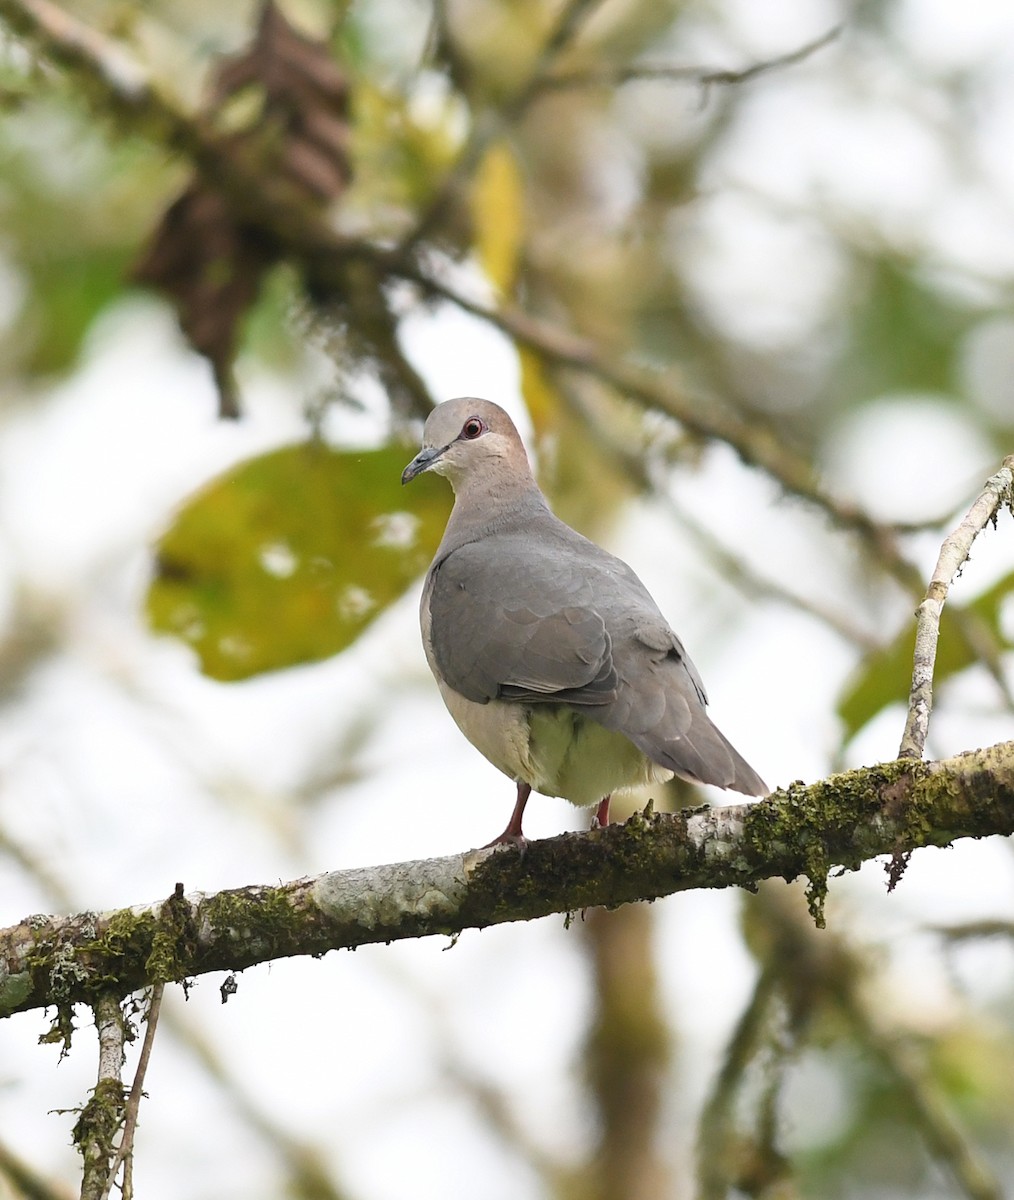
column 125, row 1151
column 842, row 821
column 102, row 1117
column 997, row 493
column 336, row 262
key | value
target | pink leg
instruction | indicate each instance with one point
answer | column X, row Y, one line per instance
column 602, row 813
column 512, row 835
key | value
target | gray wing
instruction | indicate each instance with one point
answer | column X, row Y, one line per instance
column 510, row 622
column 556, row 619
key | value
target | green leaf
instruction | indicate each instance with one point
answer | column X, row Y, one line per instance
column 903, row 336
column 66, row 295
column 288, row 557
column 886, row 676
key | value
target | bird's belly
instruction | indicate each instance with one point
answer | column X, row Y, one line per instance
column 499, row 731
column 577, row 758
column 555, row 749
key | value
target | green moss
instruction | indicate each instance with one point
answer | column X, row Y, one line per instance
column 97, row 1125
column 14, row 990
column 263, row 917
column 127, row 935
column 61, row 1029
column 814, row 827
column 174, row 941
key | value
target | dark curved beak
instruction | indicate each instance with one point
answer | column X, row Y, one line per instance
column 422, row 462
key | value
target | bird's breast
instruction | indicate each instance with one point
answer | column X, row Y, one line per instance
column 555, row 749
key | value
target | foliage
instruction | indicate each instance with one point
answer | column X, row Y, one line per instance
column 721, row 247
column 289, row 557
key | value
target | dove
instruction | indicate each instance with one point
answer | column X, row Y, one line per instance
column 548, row 651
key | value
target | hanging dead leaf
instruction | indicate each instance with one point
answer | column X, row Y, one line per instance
column 208, row 261
column 211, row 267
column 300, row 109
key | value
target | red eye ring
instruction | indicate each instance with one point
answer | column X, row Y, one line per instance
column 472, row 428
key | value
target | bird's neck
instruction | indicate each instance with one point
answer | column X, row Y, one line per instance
column 491, row 505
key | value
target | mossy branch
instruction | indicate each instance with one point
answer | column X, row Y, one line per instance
column 890, row 809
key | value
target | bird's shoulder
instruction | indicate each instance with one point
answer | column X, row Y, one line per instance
column 542, row 613
column 544, row 561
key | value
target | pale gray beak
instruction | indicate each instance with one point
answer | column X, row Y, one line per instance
column 422, row 462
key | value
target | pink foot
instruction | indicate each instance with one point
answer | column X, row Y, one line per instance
column 512, row 835
column 601, row 814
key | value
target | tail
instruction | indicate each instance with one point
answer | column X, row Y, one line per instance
column 703, row 754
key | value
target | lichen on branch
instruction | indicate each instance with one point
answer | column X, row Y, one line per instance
column 802, row 830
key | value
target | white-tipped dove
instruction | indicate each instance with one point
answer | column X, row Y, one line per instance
column 549, row 652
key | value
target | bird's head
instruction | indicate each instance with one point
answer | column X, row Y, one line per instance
column 466, row 437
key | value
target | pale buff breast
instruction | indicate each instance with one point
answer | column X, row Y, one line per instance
column 554, row 749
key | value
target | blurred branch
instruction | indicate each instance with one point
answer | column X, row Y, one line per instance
column 487, row 1098
column 968, row 931
column 310, row 1176
column 25, row 1182
column 755, row 439
column 490, row 124
column 845, row 820
column 117, row 86
column 715, row 1157
column 30, row 635
column 704, row 77
column 627, row 1051
column 944, row 1138
column 826, row 972
column 997, row 493
column 732, row 567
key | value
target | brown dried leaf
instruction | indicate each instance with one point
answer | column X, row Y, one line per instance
column 207, row 260
column 304, row 106
column 211, row 267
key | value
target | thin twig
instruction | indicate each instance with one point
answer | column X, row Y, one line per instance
column 126, row 1146
column 998, row 492
column 702, row 76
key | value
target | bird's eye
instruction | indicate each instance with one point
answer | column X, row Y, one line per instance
column 472, row 428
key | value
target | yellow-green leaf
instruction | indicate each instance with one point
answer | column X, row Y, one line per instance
column 584, row 484
column 288, row 557
column 498, row 215
column 541, row 400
